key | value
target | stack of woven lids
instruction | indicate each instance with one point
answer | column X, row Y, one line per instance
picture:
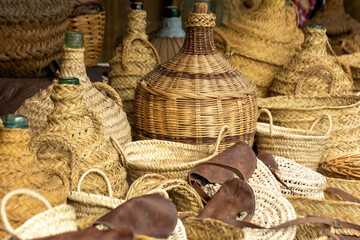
column 259, row 43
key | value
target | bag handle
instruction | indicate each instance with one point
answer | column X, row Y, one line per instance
column 268, row 113
column 121, row 152
column 222, row 133
column 11, row 194
column 111, row 92
column 318, row 120
column 101, row 173
column 97, row 123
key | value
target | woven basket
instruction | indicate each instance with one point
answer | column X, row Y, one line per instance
column 300, row 113
column 31, row 36
column 261, row 42
column 182, row 195
column 107, row 106
column 353, row 61
column 350, row 186
column 93, row 28
column 170, row 159
column 55, row 220
column 134, row 58
column 190, row 96
column 234, row 8
column 89, row 206
column 312, row 71
column 344, row 165
column 302, row 146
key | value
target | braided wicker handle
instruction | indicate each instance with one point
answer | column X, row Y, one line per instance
column 98, row 126
column 11, row 194
column 318, row 120
column 52, row 172
column 264, row 110
column 121, row 152
column 223, row 131
column 101, row 173
column 109, row 91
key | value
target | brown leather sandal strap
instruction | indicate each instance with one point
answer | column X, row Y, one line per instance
column 343, row 194
column 222, row 165
column 204, row 196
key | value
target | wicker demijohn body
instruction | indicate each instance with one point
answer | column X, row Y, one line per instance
column 192, row 95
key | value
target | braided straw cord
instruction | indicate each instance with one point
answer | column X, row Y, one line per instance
column 303, row 146
column 345, row 165
column 54, row 221
column 300, row 113
column 134, row 58
column 93, row 28
column 312, row 71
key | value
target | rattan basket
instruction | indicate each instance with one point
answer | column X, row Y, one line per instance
column 261, row 42
column 346, row 165
column 303, row 146
column 31, row 36
column 55, row 220
column 189, row 97
column 170, row 159
column 313, row 71
column 300, row 113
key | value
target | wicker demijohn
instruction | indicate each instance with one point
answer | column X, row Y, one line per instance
column 31, row 36
column 107, row 106
column 134, row 58
column 312, row 71
column 189, row 97
column 259, row 43
column 302, row 146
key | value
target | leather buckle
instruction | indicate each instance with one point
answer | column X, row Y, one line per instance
column 336, row 224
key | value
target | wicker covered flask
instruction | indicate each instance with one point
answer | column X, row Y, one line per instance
column 134, row 58
column 192, row 95
column 108, row 107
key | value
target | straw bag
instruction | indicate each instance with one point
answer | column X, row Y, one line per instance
column 53, row 221
column 90, row 207
column 353, row 61
column 300, row 113
column 302, row 146
column 182, row 195
column 170, row 159
column 107, row 106
column 134, row 58
column 312, row 71
column 189, row 97
column 343, row 165
column 259, row 43
column 31, row 36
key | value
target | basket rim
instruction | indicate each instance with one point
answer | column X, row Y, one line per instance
column 94, row 199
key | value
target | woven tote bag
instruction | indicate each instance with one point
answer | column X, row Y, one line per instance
column 189, row 97
column 107, row 106
column 313, row 71
column 259, row 43
column 300, row 113
column 31, row 36
column 303, row 146
column 134, row 58
column 53, row 221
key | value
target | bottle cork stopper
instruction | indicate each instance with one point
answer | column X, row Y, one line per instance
column 201, row 7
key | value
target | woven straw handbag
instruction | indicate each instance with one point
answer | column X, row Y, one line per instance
column 170, row 159
column 31, row 36
column 107, row 106
column 300, row 113
column 312, row 71
column 261, row 42
column 353, row 61
column 89, row 19
column 53, row 221
column 190, row 96
column 302, row 146
column 344, row 165
column 134, row 58
column 179, row 191
column 89, row 206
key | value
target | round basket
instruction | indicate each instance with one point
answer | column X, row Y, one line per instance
column 93, row 28
column 31, row 36
column 55, row 220
column 304, row 147
column 170, row 159
column 300, row 113
column 345, row 165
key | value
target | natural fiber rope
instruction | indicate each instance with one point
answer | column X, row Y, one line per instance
column 108, row 184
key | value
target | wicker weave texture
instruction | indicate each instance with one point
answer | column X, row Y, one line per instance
column 350, row 186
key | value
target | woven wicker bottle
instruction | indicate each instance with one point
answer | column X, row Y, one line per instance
column 313, row 71
column 170, row 38
column 192, row 95
column 73, row 141
column 134, row 58
column 108, row 107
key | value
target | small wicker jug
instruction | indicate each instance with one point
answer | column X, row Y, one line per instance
column 108, row 107
column 192, row 95
column 134, row 58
